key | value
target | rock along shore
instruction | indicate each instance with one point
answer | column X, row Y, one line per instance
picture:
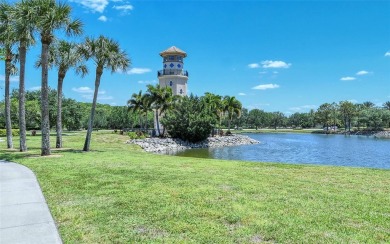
column 158, row 145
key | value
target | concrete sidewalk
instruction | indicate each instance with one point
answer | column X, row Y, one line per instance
column 24, row 214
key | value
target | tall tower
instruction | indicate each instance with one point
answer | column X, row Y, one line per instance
column 173, row 74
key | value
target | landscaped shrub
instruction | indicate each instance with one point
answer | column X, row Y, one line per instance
column 3, row 132
column 228, row 133
column 190, row 120
column 136, row 135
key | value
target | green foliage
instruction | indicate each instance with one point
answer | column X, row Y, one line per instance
column 3, row 132
column 136, row 135
column 191, row 120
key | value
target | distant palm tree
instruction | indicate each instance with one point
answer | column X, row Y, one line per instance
column 146, row 107
column 368, row 104
column 106, row 54
column 162, row 99
column 48, row 17
column 386, row 105
column 232, row 107
column 24, row 29
column 64, row 55
column 134, row 104
column 7, row 40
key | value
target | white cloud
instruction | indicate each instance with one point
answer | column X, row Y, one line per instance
column 34, row 88
column 253, row 66
column 362, row 72
column 138, row 71
column 147, row 81
column 102, row 18
column 86, row 90
column 241, row 94
column 11, row 78
column 102, row 97
column 303, row 108
column 347, row 78
column 275, row 64
column 266, row 86
column 352, row 100
column 83, row 89
column 124, row 8
column 93, row 5
column 387, row 54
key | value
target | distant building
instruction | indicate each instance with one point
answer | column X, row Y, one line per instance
column 172, row 75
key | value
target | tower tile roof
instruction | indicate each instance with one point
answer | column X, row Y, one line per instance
column 173, row 51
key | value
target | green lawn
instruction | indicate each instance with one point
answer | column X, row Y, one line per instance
column 119, row 194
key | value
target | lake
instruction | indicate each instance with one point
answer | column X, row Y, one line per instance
column 340, row 150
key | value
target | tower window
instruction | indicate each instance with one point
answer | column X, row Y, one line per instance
column 181, row 91
column 170, row 83
column 179, row 58
column 172, row 58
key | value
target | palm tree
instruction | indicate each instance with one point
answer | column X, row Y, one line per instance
column 50, row 16
column 23, row 28
column 64, row 55
column 162, row 99
column 386, row 105
column 134, row 104
column 106, row 54
column 348, row 111
column 232, row 107
column 146, row 107
column 7, row 41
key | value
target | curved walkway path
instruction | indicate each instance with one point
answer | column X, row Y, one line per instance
column 24, row 214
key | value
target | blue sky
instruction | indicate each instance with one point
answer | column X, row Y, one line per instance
column 287, row 56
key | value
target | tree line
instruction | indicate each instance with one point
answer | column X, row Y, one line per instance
column 20, row 24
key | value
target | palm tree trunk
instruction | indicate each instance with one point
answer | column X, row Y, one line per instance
column 22, row 98
column 45, row 122
column 99, row 72
column 8, row 124
column 61, row 77
column 158, row 123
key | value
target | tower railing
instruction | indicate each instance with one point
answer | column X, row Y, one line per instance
column 172, row 72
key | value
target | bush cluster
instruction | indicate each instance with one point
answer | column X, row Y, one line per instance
column 3, row 132
column 136, row 135
column 191, row 120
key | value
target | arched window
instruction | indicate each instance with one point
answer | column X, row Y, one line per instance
column 171, row 83
column 181, row 91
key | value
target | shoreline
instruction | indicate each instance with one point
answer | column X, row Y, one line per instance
column 159, row 145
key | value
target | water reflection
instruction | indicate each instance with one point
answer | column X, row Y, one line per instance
column 357, row 151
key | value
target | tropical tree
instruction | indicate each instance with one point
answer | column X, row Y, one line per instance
column 7, row 40
column 323, row 115
column 106, row 54
column 64, row 55
column 162, row 100
column 232, row 107
column 256, row 118
column 23, row 25
column 277, row 119
column 368, row 104
column 146, row 107
column 134, row 104
column 348, row 111
column 386, row 105
column 50, row 16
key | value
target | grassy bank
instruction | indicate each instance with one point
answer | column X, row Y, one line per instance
column 118, row 193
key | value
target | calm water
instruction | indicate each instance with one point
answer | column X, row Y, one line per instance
column 357, row 151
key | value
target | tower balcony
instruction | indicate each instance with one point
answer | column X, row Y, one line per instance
column 172, row 72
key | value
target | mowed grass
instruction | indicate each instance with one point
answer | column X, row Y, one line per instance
column 119, row 194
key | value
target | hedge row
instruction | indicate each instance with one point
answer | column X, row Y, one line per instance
column 3, row 132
